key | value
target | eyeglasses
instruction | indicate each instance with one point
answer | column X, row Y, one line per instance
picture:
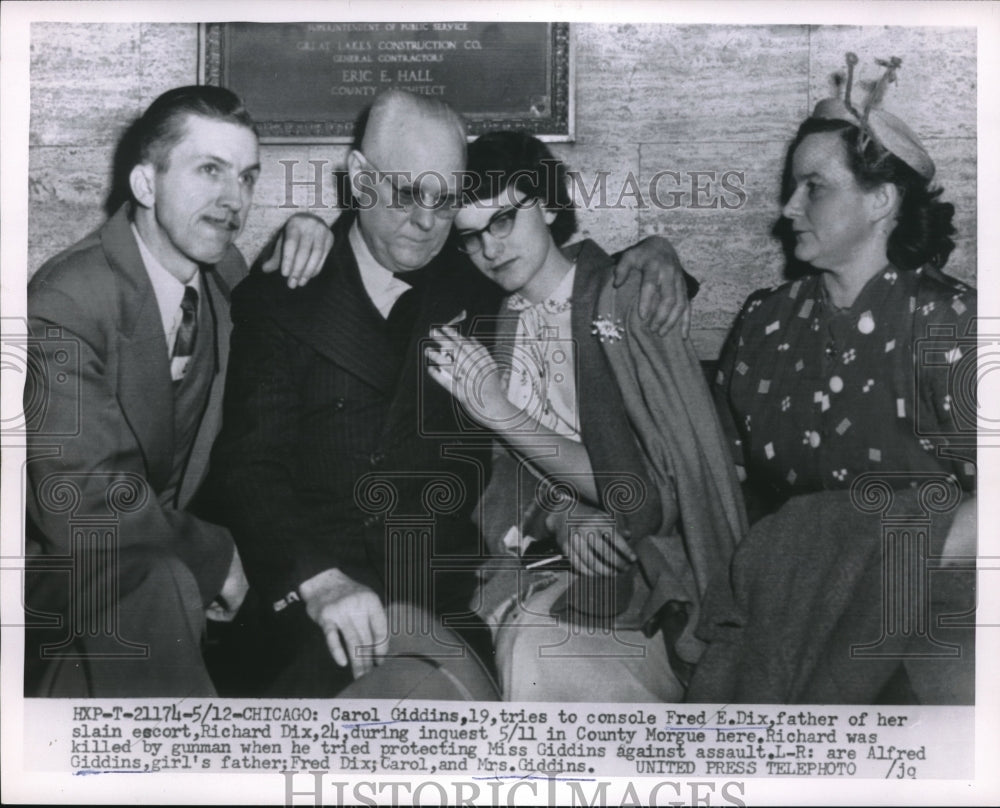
column 500, row 225
column 407, row 197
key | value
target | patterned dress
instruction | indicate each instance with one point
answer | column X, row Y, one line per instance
column 812, row 396
column 542, row 377
column 541, row 657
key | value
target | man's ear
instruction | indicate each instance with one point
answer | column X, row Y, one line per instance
column 361, row 181
column 354, row 166
column 142, row 181
column 550, row 216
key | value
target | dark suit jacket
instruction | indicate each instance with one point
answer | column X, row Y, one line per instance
column 332, row 443
column 101, row 408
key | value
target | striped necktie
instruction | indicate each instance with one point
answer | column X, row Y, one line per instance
column 187, row 332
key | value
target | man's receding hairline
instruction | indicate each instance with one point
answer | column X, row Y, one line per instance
column 394, row 105
column 184, row 128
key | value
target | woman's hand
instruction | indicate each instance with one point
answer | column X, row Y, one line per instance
column 592, row 543
column 466, row 369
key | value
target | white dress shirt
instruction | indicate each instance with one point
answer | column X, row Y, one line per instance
column 382, row 286
column 169, row 293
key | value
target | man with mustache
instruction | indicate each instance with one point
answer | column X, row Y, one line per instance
column 347, row 480
column 131, row 337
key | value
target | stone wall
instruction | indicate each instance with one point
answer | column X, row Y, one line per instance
column 650, row 99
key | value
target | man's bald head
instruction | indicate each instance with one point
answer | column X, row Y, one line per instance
column 397, row 115
column 405, row 172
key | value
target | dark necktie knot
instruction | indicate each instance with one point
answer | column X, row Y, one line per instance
column 402, row 317
column 415, row 278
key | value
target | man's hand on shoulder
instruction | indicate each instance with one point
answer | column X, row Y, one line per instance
column 299, row 249
column 663, row 296
column 352, row 618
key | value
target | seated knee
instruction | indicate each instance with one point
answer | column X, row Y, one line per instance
column 156, row 568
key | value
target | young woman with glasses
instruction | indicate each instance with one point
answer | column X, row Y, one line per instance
column 607, row 508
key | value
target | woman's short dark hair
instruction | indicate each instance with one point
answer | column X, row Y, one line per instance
column 498, row 160
column 923, row 230
column 161, row 126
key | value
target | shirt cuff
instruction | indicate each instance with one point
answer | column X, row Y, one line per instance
column 287, row 600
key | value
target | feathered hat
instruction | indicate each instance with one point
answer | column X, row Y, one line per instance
column 888, row 131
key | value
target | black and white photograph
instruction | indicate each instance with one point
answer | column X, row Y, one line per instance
column 441, row 403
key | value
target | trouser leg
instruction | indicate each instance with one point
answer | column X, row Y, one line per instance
column 141, row 639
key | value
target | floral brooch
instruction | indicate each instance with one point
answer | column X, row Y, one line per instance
column 607, row 329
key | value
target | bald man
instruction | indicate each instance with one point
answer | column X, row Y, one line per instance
column 325, row 413
column 348, row 481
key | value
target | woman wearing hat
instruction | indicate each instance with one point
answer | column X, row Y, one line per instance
column 837, row 390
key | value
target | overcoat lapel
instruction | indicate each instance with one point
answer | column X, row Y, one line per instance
column 592, row 272
column 603, row 419
column 145, row 392
column 216, row 315
column 340, row 321
column 414, row 388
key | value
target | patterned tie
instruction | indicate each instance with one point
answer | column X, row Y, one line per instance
column 187, row 333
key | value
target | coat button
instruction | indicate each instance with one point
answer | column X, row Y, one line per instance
column 338, row 404
column 376, row 458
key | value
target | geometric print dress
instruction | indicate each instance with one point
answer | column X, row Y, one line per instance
column 811, row 396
